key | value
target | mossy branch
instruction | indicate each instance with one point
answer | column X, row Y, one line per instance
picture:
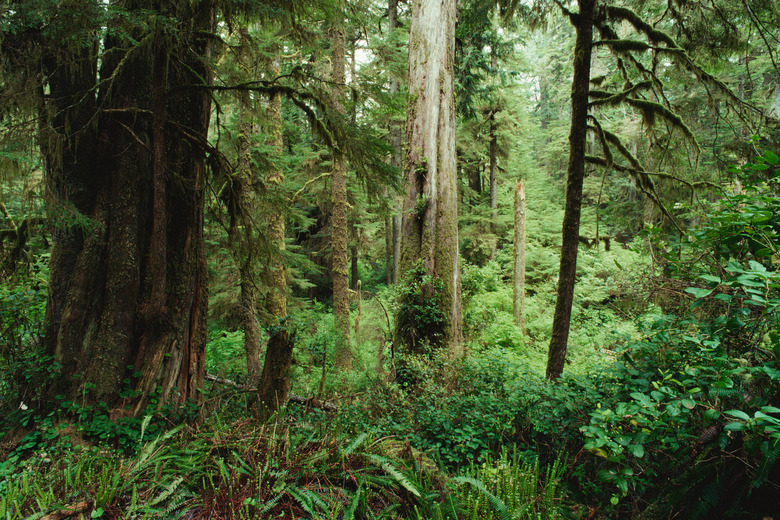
column 653, row 34
column 604, row 98
column 644, row 183
column 651, row 110
column 604, row 145
column 624, row 45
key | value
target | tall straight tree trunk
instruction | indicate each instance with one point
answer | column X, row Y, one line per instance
column 353, row 255
column 242, row 240
column 128, row 291
column 430, row 210
column 339, row 230
column 519, row 256
column 274, row 386
column 493, row 156
column 396, row 157
column 241, row 233
column 354, row 230
column 575, row 175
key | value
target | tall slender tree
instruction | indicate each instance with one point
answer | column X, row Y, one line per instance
column 339, row 228
column 274, row 385
column 583, row 23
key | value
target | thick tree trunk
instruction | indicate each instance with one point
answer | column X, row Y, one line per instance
column 519, row 257
column 389, row 269
column 430, row 211
column 339, row 230
column 576, row 173
column 128, row 291
column 274, row 385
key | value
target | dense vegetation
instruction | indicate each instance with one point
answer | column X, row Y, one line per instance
column 232, row 285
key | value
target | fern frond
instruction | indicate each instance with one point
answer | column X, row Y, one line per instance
column 354, row 445
column 399, row 477
column 497, row 504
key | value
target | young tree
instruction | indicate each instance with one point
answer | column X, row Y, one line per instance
column 583, row 22
column 429, row 242
column 639, row 87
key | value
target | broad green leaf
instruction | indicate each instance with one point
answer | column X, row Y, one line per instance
column 637, row 450
column 739, row 414
column 698, row 292
column 622, row 485
column 771, row 158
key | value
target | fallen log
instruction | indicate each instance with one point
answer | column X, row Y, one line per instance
column 311, row 402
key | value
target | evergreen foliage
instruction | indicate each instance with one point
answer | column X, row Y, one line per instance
column 669, row 405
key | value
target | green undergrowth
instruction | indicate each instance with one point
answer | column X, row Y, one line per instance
column 283, row 469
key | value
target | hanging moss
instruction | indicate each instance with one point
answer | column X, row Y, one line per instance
column 650, row 110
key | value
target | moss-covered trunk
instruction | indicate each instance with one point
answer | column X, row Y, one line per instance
column 339, row 229
column 127, row 300
column 397, row 160
column 429, row 234
column 241, row 233
column 274, row 384
column 575, row 176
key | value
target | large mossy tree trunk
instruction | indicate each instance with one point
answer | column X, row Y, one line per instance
column 125, row 168
column 429, row 232
column 578, row 134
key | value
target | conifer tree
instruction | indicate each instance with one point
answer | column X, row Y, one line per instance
column 429, row 244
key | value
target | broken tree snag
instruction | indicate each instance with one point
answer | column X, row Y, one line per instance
column 274, row 384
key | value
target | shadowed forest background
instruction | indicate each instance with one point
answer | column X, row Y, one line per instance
column 358, row 259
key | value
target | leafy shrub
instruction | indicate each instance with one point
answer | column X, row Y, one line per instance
column 420, row 319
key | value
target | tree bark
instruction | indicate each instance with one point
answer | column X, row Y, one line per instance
column 396, row 158
column 274, row 385
column 575, row 176
column 339, row 229
column 128, row 291
column 429, row 238
column 242, row 239
column 519, row 256
column 493, row 157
